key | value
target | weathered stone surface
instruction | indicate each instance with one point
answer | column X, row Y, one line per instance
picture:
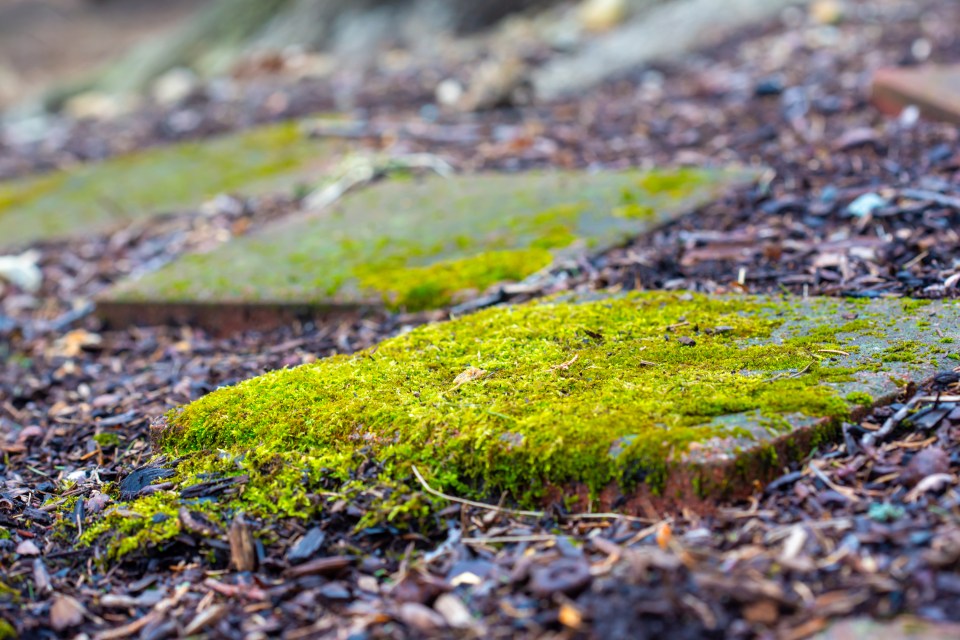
column 419, row 244
column 902, row 628
column 933, row 89
column 100, row 195
column 612, row 402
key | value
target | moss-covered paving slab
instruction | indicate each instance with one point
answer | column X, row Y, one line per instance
column 420, row 244
column 96, row 196
column 609, row 403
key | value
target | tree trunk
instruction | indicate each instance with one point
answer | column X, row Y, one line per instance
column 214, row 40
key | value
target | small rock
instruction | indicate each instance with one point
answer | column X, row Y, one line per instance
column 66, row 612
column 22, row 271
column 866, row 204
column 568, row 576
column 926, row 463
column 602, row 15
column 826, row 11
column 456, row 614
column 307, row 546
column 421, row 617
column 174, row 86
column 687, row 341
column 769, row 86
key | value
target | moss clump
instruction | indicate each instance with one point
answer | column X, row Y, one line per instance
column 860, row 398
column 466, row 231
column 156, row 180
column 418, row 288
column 107, row 440
column 675, row 184
column 903, row 351
column 614, row 390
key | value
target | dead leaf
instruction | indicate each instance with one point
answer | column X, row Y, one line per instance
column 421, row 617
column 664, row 536
column 28, row 548
column 66, row 612
column 454, row 611
column 471, row 374
column 570, row 616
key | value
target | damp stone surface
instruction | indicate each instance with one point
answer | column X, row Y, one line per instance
column 414, row 244
column 101, row 195
column 612, row 402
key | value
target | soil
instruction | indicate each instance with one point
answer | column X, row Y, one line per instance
column 860, row 528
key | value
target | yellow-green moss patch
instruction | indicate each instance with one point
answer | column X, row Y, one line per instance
column 622, row 391
column 98, row 195
column 461, row 235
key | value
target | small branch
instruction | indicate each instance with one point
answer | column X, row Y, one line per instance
column 517, row 512
column 870, row 439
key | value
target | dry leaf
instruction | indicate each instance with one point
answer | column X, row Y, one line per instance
column 471, row 374
column 421, row 617
column 570, row 616
column 66, row 612
column 664, row 536
column 454, row 611
column 28, row 548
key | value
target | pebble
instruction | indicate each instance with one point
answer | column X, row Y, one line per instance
column 925, row 463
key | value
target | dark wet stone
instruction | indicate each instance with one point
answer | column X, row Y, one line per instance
column 140, row 478
column 568, row 576
column 307, row 546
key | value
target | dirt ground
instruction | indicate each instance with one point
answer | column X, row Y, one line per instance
column 33, row 55
column 860, row 528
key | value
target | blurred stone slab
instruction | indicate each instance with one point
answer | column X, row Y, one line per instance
column 415, row 244
column 97, row 196
column 901, row 628
column 933, row 89
column 666, row 30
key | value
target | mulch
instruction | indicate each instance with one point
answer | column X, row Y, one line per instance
column 860, row 528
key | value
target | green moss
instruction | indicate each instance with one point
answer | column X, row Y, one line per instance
column 673, row 183
column 859, row 398
column 465, row 231
column 507, row 400
column 903, row 351
column 634, row 211
column 418, row 288
column 162, row 179
column 107, row 440
column 947, row 341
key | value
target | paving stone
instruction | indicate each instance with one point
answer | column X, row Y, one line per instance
column 416, row 244
column 594, row 402
column 902, row 628
column 934, row 89
column 96, row 196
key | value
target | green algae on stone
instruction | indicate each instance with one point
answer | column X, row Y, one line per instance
column 98, row 195
column 583, row 393
column 419, row 244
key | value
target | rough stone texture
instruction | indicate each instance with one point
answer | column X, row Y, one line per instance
column 935, row 90
column 417, row 244
column 903, row 628
column 664, row 31
column 521, row 399
column 122, row 189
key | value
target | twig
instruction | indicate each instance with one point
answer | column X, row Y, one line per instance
column 546, row 537
column 517, row 512
column 891, row 423
column 472, row 503
column 847, row 492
